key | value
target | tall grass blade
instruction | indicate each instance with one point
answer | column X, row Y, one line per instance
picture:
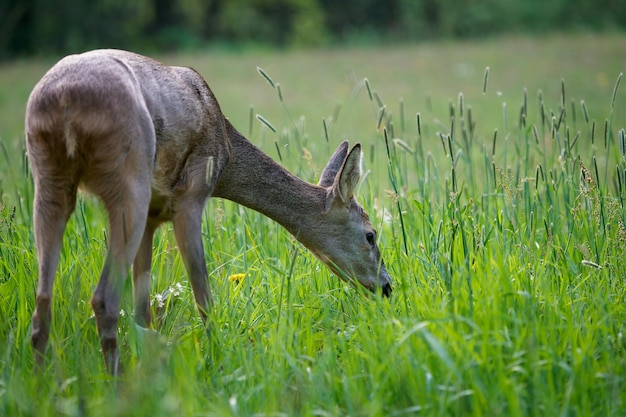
column 369, row 89
column 560, row 119
column 392, row 178
column 266, row 122
column 286, row 283
column 585, row 111
column 573, row 142
column 443, row 139
column 620, row 188
column 505, row 117
column 377, row 98
column 280, row 156
column 452, row 128
column 325, row 130
column 535, row 134
column 439, row 350
column 418, row 119
column 485, row 78
column 470, row 122
column 267, row 77
column 593, row 131
column 493, row 146
column 280, row 92
column 403, row 145
column 617, row 83
column 381, row 115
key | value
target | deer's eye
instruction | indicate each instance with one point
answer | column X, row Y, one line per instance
column 371, row 238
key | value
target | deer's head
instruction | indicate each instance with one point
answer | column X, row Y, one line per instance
column 350, row 247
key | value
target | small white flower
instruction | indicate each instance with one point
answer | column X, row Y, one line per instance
column 233, row 403
column 177, row 289
column 158, row 298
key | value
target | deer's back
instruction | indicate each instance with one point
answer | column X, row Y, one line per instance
column 89, row 109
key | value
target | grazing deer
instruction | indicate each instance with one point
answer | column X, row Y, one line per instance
column 152, row 143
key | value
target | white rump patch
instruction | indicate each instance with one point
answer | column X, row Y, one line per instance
column 70, row 140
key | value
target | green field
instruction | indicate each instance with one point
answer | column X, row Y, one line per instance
column 499, row 199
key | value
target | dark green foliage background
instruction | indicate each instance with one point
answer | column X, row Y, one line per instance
column 56, row 27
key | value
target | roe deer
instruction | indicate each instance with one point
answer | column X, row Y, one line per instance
column 151, row 142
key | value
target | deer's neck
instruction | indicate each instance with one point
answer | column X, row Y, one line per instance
column 253, row 179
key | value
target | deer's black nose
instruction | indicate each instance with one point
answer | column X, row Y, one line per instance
column 387, row 289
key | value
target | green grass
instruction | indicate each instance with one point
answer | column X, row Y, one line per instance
column 507, row 253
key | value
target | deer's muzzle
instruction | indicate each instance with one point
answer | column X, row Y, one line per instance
column 387, row 289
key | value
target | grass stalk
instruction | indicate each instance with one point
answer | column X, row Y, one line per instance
column 392, row 178
column 485, row 78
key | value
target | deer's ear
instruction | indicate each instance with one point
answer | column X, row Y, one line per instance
column 334, row 165
column 346, row 179
column 349, row 175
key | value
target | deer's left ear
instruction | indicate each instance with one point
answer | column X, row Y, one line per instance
column 334, row 165
column 346, row 179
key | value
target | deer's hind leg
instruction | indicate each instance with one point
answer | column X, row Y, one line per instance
column 124, row 186
column 127, row 218
column 55, row 198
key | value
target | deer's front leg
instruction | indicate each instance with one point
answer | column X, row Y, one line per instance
column 141, row 275
column 187, row 228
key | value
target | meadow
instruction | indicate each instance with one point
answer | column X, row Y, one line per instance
column 495, row 173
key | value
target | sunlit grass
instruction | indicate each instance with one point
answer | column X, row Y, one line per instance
column 502, row 225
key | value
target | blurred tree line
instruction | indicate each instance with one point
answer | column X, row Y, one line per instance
column 61, row 26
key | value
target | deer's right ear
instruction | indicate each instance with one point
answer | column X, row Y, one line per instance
column 334, row 165
column 346, row 179
column 349, row 176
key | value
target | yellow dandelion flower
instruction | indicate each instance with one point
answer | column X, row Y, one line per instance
column 236, row 277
